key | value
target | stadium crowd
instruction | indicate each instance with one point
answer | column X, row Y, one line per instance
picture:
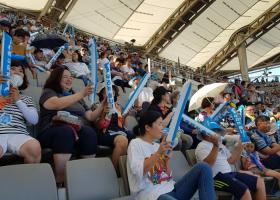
column 149, row 171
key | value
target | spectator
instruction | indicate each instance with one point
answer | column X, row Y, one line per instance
column 140, row 69
column 261, row 109
column 112, row 129
column 62, row 138
column 149, row 171
column 161, row 104
column 40, row 58
column 264, row 144
column 236, row 89
column 78, row 69
column 127, row 68
column 211, row 151
column 15, row 111
column 250, row 114
column 118, row 77
column 253, row 95
column 207, row 106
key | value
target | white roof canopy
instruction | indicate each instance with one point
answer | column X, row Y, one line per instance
column 122, row 19
column 212, row 29
column 25, row 4
column 263, row 48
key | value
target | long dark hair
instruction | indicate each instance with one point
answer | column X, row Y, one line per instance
column 147, row 118
column 53, row 82
column 25, row 83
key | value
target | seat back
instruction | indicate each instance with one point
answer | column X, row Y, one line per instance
column 42, row 77
column 131, row 122
column 78, row 84
column 27, row 181
column 33, row 82
column 34, row 92
column 190, row 154
column 123, row 172
column 179, row 165
column 93, row 178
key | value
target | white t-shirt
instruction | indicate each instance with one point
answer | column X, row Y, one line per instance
column 146, row 186
column 128, row 70
column 204, row 148
column 78, row 68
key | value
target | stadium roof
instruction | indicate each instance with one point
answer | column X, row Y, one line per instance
column 213, row 29
column 122, row 19
column 196, row 41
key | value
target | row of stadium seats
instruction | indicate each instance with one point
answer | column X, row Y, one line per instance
column 86, row 179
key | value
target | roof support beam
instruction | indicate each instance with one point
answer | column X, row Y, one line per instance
column 66, row 13
column 45, row 9
column 189, row 9
column 258, row 27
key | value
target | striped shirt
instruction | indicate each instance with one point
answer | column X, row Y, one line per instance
column 17, row 125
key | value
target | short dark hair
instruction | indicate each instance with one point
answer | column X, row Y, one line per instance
column 206, row 102
column 158, row 93
column 53, row 82
column 38, row 51
column 261, row 118
column 200, row 86
column 224, row 94
column 25, row 80
column 21, row 33
column 61, row 56
column 259, row 102
column 147, row 118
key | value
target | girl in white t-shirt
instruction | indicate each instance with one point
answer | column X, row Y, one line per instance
column 149, row 171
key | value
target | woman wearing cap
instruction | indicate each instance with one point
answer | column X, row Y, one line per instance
column 59, row 135
column 112, row 131
column 15, row 110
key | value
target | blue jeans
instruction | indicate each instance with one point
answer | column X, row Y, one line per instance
column 198, row 178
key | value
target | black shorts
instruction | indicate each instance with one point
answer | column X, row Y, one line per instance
column 105, row 139
column 235, row 183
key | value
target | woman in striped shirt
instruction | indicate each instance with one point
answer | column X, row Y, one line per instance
column 15, row 110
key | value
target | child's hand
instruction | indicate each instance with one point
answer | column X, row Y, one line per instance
column 164, row 146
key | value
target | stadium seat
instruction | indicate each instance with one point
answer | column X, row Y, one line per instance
column 42, row 77
column 190, row 155
column 78, row 84
column 27, row 181
column 179, row 165
column 131, row 122
column 123, row 172
column 93, row 178
column 34, row 92
column 33, row 82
